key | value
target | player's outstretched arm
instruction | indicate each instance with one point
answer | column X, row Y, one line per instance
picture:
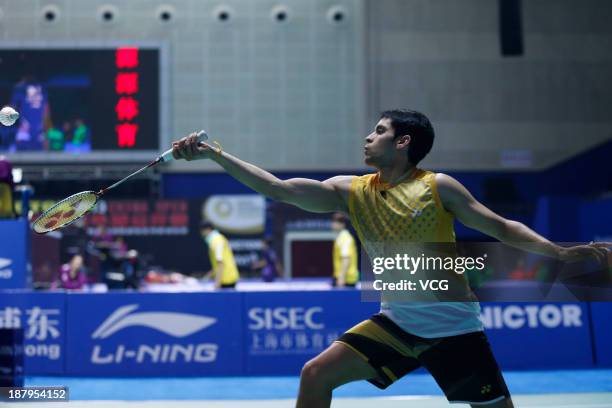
column 458, row 200
column 311, row 195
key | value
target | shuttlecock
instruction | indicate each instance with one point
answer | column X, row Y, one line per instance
column 8, row 116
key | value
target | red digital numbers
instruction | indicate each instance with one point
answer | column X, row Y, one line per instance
column 126, row 89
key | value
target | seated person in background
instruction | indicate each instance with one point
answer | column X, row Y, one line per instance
column 72, row 274
column 224, row 269
column 345, row 254
column 269, row 264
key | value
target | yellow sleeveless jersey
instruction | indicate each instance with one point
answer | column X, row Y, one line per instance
column 388, row 218
column 219, row 250
column 345, row 247
column 408, row 212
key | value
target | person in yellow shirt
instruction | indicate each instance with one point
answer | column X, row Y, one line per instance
column 344, row 254
column 222, row 261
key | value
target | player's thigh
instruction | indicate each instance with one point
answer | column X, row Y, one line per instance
column 337, row 365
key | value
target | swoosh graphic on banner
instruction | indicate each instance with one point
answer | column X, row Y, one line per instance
column 116, row 315
column 171, row 323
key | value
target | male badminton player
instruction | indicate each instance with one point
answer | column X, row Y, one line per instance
column 445, row 337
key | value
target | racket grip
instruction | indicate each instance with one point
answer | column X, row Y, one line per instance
column 167, row 155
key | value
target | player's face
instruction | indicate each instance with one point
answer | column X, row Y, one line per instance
column 379, row 145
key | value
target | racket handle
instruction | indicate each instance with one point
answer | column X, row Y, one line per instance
column 167, row 155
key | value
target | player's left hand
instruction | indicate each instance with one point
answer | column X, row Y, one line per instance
column 595, row 250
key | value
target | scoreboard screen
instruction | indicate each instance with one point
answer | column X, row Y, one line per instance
column 80, row 101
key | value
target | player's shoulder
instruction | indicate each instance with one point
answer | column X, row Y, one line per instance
column 449, row 188
column 347, row 180
column 341, row 182
column 445, row 181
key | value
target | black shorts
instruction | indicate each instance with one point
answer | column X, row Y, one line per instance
column 228, row 285
column 463, row 366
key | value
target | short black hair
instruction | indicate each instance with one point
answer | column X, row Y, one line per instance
column 415, row 124
column 205, row 224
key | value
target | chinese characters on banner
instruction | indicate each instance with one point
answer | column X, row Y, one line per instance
column 40, row 324
column 288, row 342
column 42, row 318
column 126, row 89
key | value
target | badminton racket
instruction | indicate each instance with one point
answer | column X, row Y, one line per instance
column 72, row 208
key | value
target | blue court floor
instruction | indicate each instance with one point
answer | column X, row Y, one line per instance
column 284, row 388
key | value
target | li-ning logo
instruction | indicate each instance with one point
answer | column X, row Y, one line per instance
column 6, row 273
column 178, row 325
column 173, row 324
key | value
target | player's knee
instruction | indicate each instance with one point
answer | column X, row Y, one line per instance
column 313, row 375
column 310, row 370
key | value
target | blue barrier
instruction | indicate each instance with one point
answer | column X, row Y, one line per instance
column 260, row 333
column 539, row 335
column 15, row 254
column 42, row 316
column 283, row 330
column 144, row 334
column 601, row 316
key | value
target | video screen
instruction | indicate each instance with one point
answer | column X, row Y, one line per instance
column 80, row 100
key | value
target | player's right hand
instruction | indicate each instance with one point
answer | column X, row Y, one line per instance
column 189, row 148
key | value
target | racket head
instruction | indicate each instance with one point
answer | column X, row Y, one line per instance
column 65, row 212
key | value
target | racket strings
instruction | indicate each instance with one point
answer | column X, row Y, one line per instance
column 65, row 212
